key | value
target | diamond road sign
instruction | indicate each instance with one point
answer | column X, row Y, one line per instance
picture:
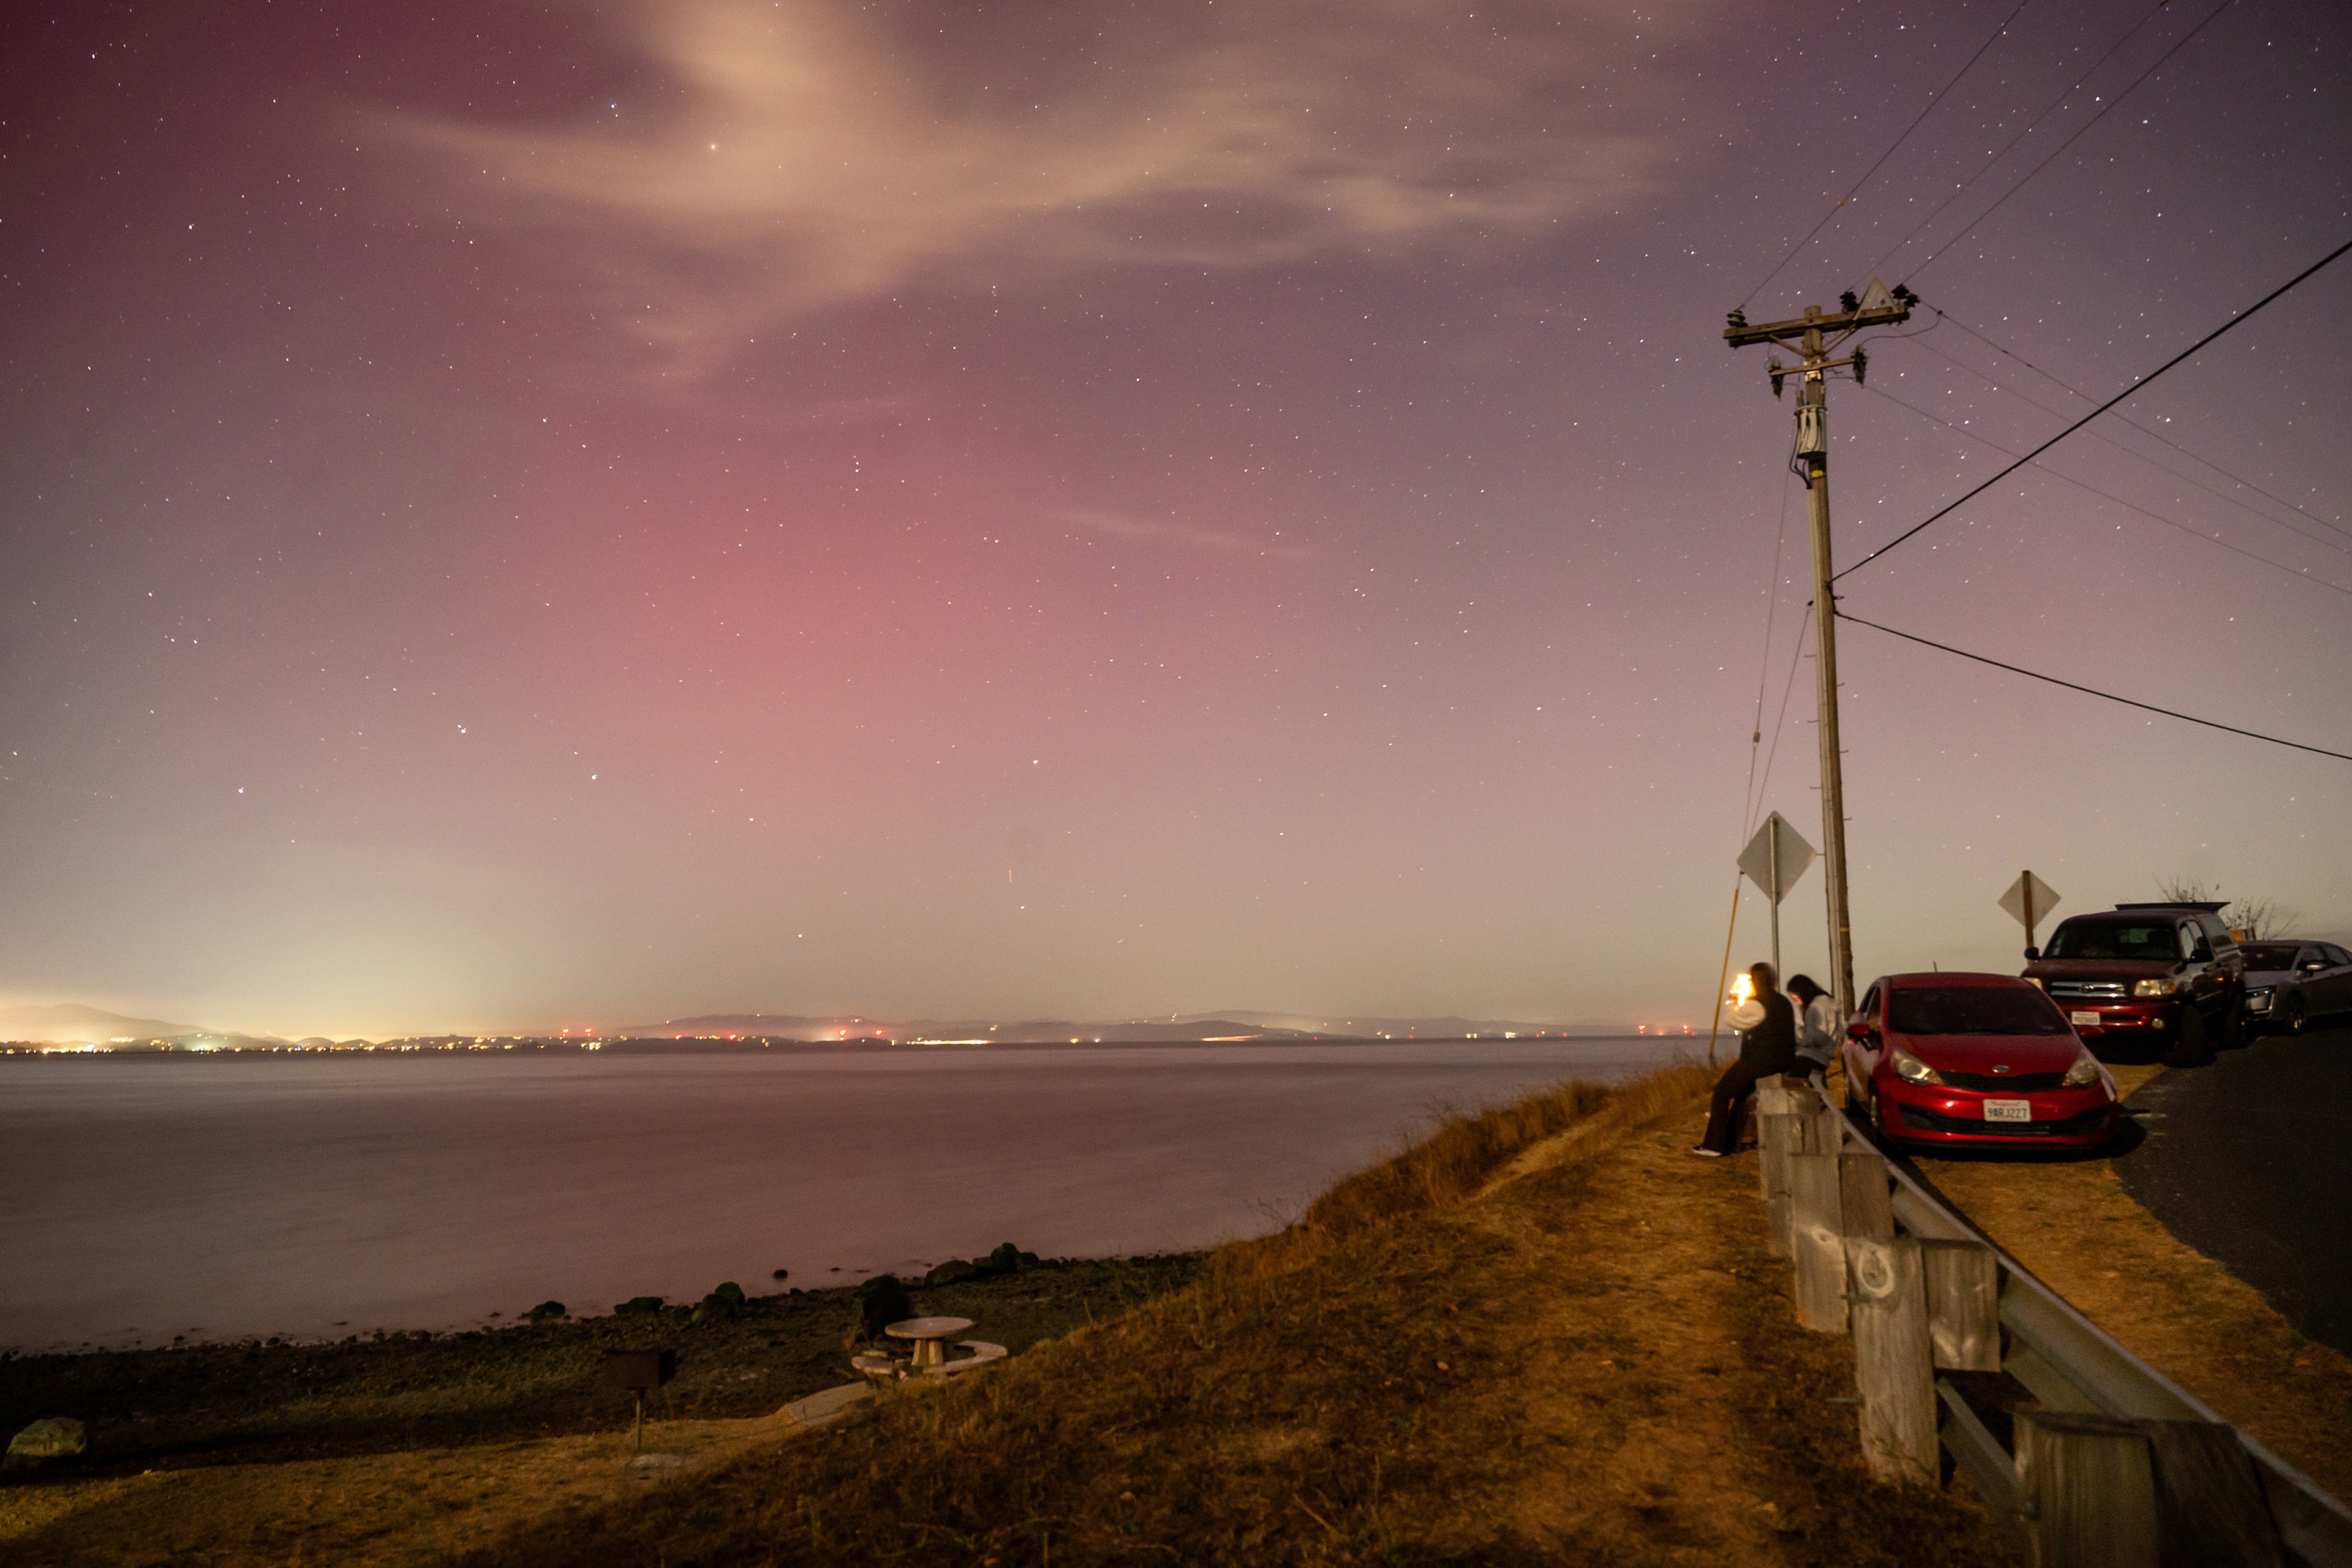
column 1757, row 859
column 2013, row 903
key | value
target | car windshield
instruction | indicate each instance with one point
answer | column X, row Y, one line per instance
column 1971, row 1010
column 2269, row 954
column 2113, row 939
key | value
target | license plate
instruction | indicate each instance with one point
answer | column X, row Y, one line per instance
column 2008, row 1111
column 2082, row 1017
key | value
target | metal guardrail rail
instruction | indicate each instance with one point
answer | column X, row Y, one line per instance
column 2069, row 1363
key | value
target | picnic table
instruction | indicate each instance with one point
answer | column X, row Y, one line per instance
column 931, row 1336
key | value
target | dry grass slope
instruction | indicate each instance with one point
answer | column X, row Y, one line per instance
column 1413, row 1373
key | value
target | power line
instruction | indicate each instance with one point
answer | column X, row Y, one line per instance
column 2094, row 691
column 2150, row 431
column 1998, row 385
column 2137, row 385
column 1891, row 146
column 1780, row 724
column 2109, row 440
column 1994, row 161
column 2069, row 140
column 2296, row 573
column 1764, row 672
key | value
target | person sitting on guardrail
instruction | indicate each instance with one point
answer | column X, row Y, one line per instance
column 1817, row 1025
column 1768, row 1045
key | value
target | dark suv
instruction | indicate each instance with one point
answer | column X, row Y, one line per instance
column 2165, row 979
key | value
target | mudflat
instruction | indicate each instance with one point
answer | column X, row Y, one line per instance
column 372, row 1449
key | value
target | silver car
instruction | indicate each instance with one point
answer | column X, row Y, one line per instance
column 2318, row 983
column 2270, row 964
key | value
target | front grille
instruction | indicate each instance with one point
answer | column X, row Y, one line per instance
column 2109, row 990
column 2022, row 1082
column 1922, row 1121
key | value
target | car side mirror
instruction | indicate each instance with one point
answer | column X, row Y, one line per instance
column 2202, row 955
column 2032, row 953
column 1858, row 1030
column 2309, row 966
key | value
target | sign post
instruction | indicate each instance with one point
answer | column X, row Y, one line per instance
column 2026, row 901
column 639, row 1372
column 1774, row 859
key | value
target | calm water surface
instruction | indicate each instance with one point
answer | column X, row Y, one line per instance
column 218, row 1197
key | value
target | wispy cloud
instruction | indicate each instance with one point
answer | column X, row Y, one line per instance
column 1121, row 525
column 810, row 158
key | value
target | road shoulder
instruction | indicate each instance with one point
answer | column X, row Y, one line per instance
column 2074, row 1223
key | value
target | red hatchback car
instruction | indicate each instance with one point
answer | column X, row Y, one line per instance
column 1979, row 1059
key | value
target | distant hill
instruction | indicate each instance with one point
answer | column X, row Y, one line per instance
column 1185, row 1027
column 70, row 1023
column 775, row 1025
column 1445, row 1027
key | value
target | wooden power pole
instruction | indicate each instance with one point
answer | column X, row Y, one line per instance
column 1816, row 336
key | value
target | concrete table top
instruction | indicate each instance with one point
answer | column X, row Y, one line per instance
column 929, row 1334
column 928, row 1328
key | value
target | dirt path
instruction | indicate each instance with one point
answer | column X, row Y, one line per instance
column 1699, row 1424
column 2072, row 1224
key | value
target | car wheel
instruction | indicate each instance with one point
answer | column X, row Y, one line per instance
column 1886, row 1134
column 2194, row 1048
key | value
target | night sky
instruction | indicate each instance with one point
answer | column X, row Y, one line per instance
column 518, row 516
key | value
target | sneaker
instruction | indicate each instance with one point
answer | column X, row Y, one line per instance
column 1704, row 1153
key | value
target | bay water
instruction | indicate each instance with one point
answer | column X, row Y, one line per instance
column 312, row 1196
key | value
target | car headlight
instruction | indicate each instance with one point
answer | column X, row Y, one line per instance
column 2085, row 1072
column 2154, row 987
column 1911, row 1069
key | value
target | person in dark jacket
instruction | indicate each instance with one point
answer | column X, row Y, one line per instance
column 1768, row 1045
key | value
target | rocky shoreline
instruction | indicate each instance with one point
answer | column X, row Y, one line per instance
column 737, row 1355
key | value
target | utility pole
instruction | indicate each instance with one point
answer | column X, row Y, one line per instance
column 1816, row 335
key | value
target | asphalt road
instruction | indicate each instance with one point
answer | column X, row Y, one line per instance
column 2244, row 1161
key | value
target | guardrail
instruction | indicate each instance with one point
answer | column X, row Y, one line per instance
column 2107, row 1462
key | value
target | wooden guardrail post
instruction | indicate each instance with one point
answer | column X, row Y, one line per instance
column 1772, row 1098
column 1817, row 1241
column 1963, row 1304
column 1778, row 1136
column 2209, row 1499
column 1890, row 1374
column 1864, row 1194
column 2087, row 1487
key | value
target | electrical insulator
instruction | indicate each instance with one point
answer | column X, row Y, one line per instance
column 1812, row 430
column 1861, row 366
column 1772, row 368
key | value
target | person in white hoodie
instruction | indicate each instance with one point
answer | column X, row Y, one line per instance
column 1817, row 1025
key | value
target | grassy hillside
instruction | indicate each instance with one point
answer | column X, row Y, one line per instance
column 1546, row 1334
